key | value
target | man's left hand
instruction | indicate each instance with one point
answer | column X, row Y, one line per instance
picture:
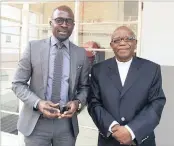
column 122, row 135
column 72, row 108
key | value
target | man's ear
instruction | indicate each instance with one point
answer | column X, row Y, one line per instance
column 135, row 45
column 136, row 42
column 50, row 23
column 111, row 44
column 73, row 25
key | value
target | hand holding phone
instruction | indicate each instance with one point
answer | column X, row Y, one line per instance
column 63, row 108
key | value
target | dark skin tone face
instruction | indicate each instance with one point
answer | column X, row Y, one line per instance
column 124, row 50
column 62, row 31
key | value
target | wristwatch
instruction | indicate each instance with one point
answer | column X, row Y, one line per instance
column 79, row 105
column 35, row 107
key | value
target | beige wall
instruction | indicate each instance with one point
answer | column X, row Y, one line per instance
column 38, row 8
column 48, row 8
column 16, row 5
column 101, row 11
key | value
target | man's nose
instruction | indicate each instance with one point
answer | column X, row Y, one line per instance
column 122, row 42
column 64, row 24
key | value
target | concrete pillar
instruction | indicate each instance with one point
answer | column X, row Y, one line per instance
column 140, row 6
column 25, row 27
column 24, row 41
column 75, row 35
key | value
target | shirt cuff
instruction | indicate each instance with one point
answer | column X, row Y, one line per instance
column 112, row 124
column 131, row 132
column 35, row 104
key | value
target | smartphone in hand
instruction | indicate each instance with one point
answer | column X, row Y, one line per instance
column 63, row 108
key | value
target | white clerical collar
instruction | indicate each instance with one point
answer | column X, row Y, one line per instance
column 121, row 63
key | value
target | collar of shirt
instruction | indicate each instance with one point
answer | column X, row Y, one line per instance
column 124, row 63
column 54, row 41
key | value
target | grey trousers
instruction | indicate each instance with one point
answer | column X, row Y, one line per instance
column 51, row 132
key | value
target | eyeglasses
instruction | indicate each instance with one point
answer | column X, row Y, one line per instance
column 125, row 39
column 60, row 21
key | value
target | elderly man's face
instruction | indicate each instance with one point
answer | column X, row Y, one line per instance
column 123, row 44
column 62, row 24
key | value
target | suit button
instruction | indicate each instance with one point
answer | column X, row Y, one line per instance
column 123, row 119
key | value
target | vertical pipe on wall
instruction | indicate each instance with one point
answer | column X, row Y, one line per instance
column 76, row 28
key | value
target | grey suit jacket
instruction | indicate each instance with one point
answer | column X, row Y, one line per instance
column 33, row 68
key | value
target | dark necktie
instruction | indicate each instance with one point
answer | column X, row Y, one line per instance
column 57, row 74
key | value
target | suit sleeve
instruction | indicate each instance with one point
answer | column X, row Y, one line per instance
column 100, row 116
column 22, row 75
column 83, row 83
column 149, row 117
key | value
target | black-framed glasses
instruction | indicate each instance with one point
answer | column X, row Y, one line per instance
column 125, row 39
column 60, row 21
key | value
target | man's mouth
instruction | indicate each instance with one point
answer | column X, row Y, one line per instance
column 63, row 32
column 123, row 49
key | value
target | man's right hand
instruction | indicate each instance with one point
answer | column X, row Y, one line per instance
column 49, row 109
column 122, row 135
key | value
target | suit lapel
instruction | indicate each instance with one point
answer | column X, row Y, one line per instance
column 45, row 51
column 132, row 75
column 73, row 69
column 113, row 74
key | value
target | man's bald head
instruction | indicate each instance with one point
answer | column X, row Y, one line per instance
column 125, row 28
column 62, row 22
column 63, row 8
column 123, row 43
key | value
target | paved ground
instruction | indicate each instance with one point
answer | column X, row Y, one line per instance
column 86, row 137
column 9, row 102
column 88, row 132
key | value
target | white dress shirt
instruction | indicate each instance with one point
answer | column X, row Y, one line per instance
column 123, row 68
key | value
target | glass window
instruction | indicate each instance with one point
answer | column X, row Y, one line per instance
column 10, row 12
column 10, row 41
column 10, row 27
column 99, row 27
column 130, row 10
column 33, row 28
column 33, row 31
column 33, row 18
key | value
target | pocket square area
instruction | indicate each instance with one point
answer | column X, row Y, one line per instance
column 80, row 66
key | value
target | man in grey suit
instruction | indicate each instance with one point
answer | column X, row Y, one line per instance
column 58, row 73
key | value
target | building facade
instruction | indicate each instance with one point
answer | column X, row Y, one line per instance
column 94, row 21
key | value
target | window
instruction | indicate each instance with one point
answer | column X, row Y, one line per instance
column 8, row 39
column 10, row 12
column 10, row 43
